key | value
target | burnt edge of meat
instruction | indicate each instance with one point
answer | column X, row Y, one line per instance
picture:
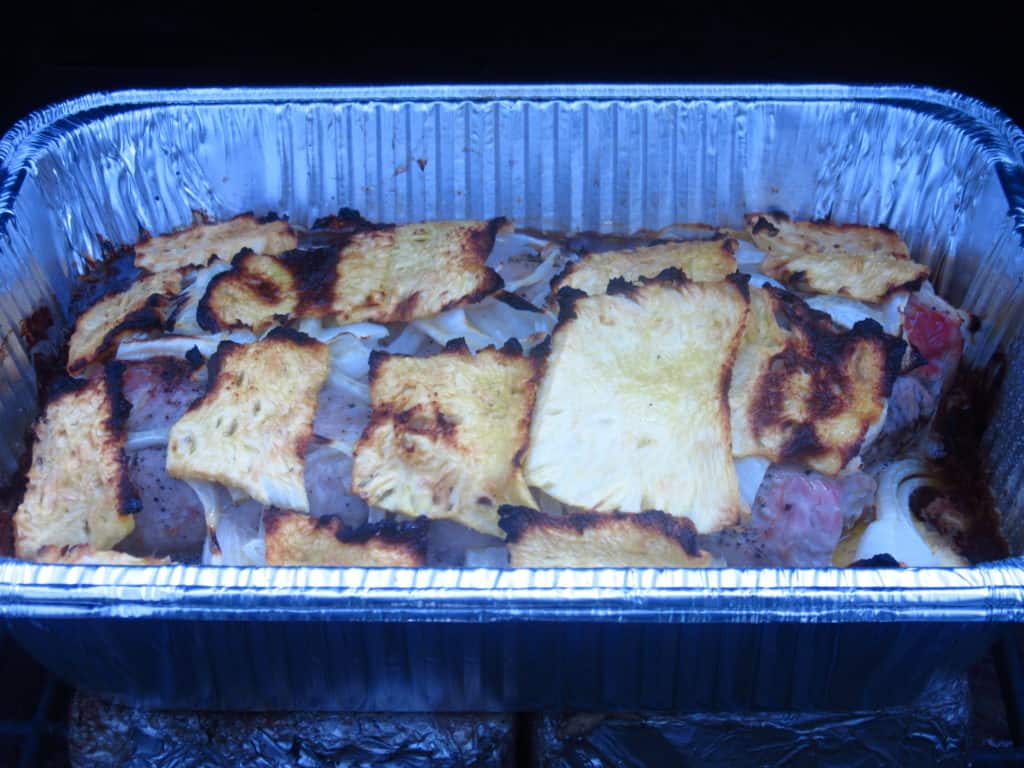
column 120, row 408
column 517, row 521
column 516, row 302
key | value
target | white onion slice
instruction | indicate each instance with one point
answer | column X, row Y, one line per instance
column 848, row 312
column 895, row 531
column 750, row 472
column 490, row 323
column 146, row 438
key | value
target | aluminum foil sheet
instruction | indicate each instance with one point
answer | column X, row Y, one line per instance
column 933, row 730
column 101, row 734
column 944, row 170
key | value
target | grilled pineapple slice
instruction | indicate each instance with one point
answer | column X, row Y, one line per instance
column 632, row 413
column 700, row 260
column 863, row 263
column 595, row 540
column 805, row 391
column 143, row 306
column 250, row 430
column 197, row 244
column 447, row 434
column 294, row 538
column 78, row 489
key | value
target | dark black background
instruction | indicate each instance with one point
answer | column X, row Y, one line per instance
column 58, row 54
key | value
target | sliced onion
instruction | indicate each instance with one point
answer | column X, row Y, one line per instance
column 895, row 531
column 148, row 438
column 748, row 255
column 489, row 323
column 848, row 312
column 186, row 320
column 240, row 536
column 750, row 472
column 411, row 341
column 178, row 346
column 209, row 496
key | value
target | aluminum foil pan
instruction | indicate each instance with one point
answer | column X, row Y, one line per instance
column 943, row 169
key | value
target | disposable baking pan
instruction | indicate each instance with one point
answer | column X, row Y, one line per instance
column 944, row 170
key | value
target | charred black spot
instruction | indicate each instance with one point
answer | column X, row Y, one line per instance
column 62, row 385
column 731, row 244
column 515, row 520
column 242, row 257
column 205, row 315
column 346, row 219
column 803, row 442
column 291, row 336
column 315, row 272
column 567, row 298
column 120, row 408
column 796, row 279
column 542, row 350
column 213, row 367
column 742, row 283
column 878, row 561
column 457, row 346
column 620, row 286
column 407, row 533
column 377, row 359
column 194, row 357
column 669, row 276
column 680, row 529
column 764, row 227
column 485, row 501
column 270, row 217
column 512, row 347
column 516, row 302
